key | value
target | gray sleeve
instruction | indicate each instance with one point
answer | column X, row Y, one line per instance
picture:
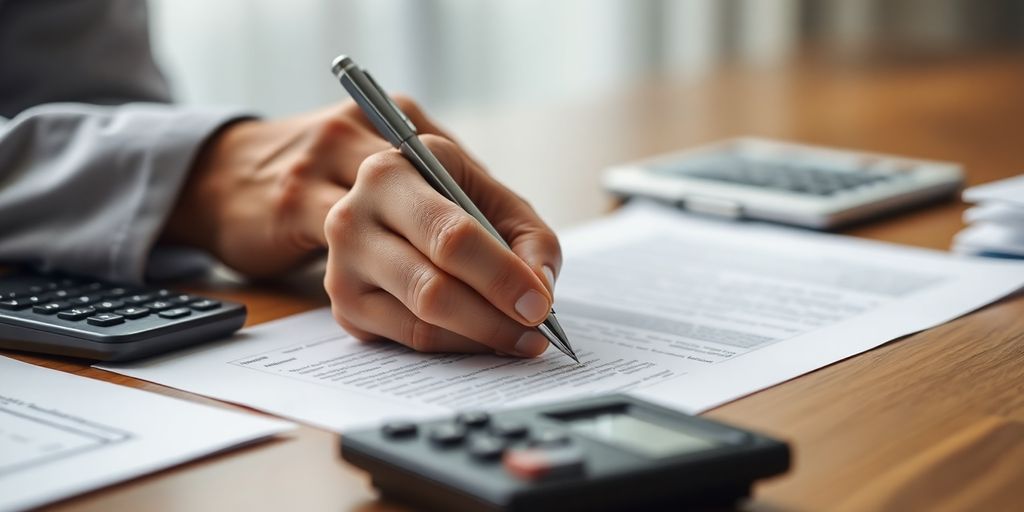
column 86, row 189
column 91, row 159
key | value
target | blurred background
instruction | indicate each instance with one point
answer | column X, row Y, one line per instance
column 449, row 54
column 640, row 76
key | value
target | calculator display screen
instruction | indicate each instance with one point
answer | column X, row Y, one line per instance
column 627, row 431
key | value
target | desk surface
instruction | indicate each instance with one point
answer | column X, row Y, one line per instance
column 912, row 423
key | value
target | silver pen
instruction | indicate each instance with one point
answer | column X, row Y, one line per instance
column 396, row 127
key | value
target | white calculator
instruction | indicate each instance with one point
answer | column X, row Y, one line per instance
column 803, row 185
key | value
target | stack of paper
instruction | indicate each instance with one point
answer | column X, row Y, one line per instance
column 62, row 435
column 996, row 222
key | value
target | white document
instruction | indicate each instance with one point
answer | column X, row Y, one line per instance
column 998, row 213
column 62, row 435
column 686, row 311
column 990, row 238
column 1009, row 190
column 996, row 223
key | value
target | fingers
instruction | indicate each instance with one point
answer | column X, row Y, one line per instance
column 381, row 315
column 526, row 233
column 440, row 299
column 320, row 201
column 368, row 262
column 339, row 145
column 424, row 124
column 457, row 244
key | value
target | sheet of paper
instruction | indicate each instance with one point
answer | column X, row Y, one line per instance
column 1009, row 190
column 686, row 311
column 62, row 435
column 990, row 238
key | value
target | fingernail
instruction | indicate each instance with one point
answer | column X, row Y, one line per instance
column 531, row 344
column 550, row 274
column 533, row 306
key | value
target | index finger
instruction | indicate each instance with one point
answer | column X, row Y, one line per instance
column 529, row 237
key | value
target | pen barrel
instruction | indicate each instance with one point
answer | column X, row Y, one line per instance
column 435, row 173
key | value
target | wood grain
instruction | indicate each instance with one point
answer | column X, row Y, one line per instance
column 931, row 415
column 977, row 468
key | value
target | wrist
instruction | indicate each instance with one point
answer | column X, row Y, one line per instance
column 196, row 220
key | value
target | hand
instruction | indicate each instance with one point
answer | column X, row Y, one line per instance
column 404, row 263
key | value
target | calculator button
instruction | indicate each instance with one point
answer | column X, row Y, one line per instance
column 108, row 305
column 76, row 313
column 473, row 418
column 182, row 299
column 163, row 293
column 158, row 305
column 62, row 294
column 448, row 434
column 133, row 312
column 83, row 300
column 105, row 319
column 49, row 309
column 39, row 298
column 138, row 299
column 114, row 293
column 15, row 304
column 538, row 463
column 205, row 305
column 486, row 447
column 510, row 430
column 398, row 429
column 92, row 287
column 175, row 313
column 549, row 438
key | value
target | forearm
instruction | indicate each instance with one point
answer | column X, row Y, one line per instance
column 88, row 189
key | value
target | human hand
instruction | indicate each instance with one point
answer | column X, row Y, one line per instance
column 404, row 263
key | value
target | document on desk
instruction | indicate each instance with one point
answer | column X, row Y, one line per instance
column 686, row 311
column 62, row 435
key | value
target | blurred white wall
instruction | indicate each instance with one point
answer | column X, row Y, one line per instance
column 274, row 56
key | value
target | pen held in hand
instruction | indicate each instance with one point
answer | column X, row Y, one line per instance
column 396, row 127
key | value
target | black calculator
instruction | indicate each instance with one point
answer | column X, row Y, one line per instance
column 80, row 317
column 613, row 452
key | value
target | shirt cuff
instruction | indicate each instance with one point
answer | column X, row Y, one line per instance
column 169, row 148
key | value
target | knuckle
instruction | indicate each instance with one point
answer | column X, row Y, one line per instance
column 377, row 168
column 291, row 189
column 340, row 287
column 333, row 129
column 504, row 282
column 428, row 295
column 452, row 236
column 549, row 241
column 340, row 220
column 421, row 335
column 298, row 169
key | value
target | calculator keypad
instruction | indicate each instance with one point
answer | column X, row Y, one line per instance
column 790, row 177
column 515, row 447
column 175, row 313
column 132, row 312
column 101, row 305
column 105, row 319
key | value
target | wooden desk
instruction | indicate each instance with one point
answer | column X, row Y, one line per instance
column 912, row 424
